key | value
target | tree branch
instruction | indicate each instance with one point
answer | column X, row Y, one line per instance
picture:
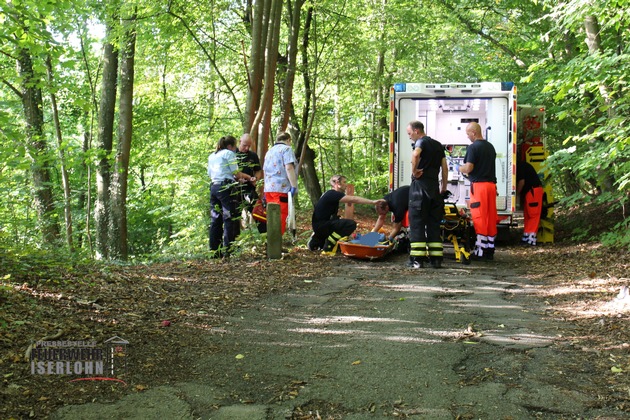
column 469, row 25
column 13, row 88
column 212, row 61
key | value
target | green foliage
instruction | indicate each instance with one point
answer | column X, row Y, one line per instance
column 250, row 242
column 191, row 86
column 604, row 219
column 619, row 236
column 587, row 97
column 34, row 266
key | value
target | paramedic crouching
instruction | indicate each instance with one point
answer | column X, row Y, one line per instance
column 328, row 227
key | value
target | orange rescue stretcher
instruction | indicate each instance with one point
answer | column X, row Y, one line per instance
column 366, row 247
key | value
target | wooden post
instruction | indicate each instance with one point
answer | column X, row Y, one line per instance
column 349, row 210
column 274, row 231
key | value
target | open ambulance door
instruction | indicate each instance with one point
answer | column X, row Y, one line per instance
column 446, row 110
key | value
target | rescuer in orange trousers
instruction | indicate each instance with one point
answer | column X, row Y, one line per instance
column 479, row 166
column 529, row 188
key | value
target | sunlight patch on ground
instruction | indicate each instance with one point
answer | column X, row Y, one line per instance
column 476, row 304
column 329, row 320
column 420, row 289
column 438, row 333
column 299, row 344
column 469, row 290
column 408, row 339
column 601, row 282
column 590, row 309
column 185, row 279
column 571, row 290
column 520, row 339
column 321, row 331
column 410, row 335
column 495, row 289
column 368, row 334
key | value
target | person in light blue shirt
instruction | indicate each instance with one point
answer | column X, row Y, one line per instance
column 280, row 175
column 224, row 176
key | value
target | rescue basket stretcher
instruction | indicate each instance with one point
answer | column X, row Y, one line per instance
column 366, row 247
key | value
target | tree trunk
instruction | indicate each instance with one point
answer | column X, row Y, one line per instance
column 37, row 149
column 307, row 155
column 286, row 100
column 257, row 64
column 118, row 221
column 309, row 174
column 85, row 195
column 167, row 141
column 338, row 150
column 84, row 200
column 104, row 146
column 65, row 180
column 264, row 114
column 594, row 43
column 382, row 82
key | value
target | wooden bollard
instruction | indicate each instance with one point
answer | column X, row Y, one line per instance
column 274, row 231
column 349, row 209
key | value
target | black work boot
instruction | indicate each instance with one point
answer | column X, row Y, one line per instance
column 415, row 262
column 313, row 244
column 436, row 262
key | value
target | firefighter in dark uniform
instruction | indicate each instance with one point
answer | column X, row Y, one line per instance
column 248, row 163
column 426, row 205
column 328, row 227
column 397, row 202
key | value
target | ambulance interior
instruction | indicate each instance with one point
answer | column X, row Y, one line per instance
column 445, row 119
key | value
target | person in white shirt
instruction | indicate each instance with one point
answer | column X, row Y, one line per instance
column 280, row 176
column 224, row 175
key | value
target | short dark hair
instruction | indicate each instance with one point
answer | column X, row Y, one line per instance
column 283, row 136
column 381, row 207
column 226, row 141
column 416, row 125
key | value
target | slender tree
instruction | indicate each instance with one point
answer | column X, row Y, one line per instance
column 288, row 64
column 262, row 120
column 65, row 178
column 119, row 184
column 37, row 147
column 307, row 164
column 259, row 27
column 104, row 144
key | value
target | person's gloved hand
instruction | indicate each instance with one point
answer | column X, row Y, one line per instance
column 293, row 191
column 382, row 237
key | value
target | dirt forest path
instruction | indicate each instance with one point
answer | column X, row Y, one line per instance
column 376, row 341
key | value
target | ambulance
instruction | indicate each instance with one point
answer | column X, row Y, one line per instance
column 446, row 109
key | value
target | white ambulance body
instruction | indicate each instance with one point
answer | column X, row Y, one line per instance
column 445, row 110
